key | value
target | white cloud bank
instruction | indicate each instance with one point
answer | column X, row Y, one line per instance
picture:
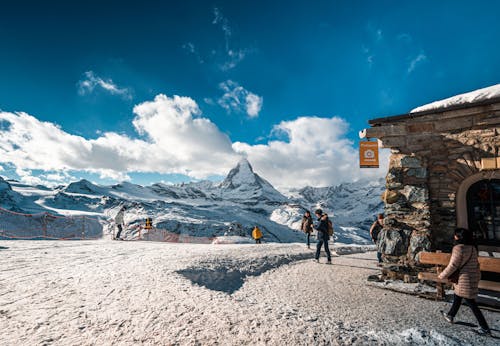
column 315, row 153
column 174, row 138
column 91, row 81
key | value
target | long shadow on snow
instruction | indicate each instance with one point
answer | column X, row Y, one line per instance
column 230, row 275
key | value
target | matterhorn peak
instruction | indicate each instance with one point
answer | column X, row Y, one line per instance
column 242, row 183
column 241, row 174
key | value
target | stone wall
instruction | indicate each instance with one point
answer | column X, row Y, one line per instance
column 431, row 156
column 408, row 218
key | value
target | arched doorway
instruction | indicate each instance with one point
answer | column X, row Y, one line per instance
column 478, row 206
column 483, row 210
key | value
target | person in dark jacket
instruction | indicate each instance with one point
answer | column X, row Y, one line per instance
column 307, row 227
column 322, row 229
column 375, row 229
column 464, row 257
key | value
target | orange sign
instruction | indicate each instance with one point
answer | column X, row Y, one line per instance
column 368, row 154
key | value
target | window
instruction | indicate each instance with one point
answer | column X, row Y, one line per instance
column 483, row 210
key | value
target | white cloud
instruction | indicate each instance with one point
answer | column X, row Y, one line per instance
column 191, row 49
column 91, row 81
column 209, row 101
column 316, row 153
column 419, row 58
column 174, row 138
column 238, row 99
column 219, row 19
column 175, row 141
column 253, row 104
column 233, row 58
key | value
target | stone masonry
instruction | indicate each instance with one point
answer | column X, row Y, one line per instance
column 433, row 152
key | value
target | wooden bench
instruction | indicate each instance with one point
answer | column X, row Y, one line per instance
column 441, row 259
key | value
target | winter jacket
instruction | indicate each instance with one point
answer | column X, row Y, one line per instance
column 307, row 224
column 322, row 227
column 256, row 233
column 468, row 279
column 119, row 217
column 375, row 230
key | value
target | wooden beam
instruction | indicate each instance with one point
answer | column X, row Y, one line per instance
column 488, row 264
column 437, row 258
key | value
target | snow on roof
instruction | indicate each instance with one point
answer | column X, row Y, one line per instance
column 473, row 96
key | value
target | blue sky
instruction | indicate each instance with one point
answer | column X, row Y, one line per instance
column 287, row 84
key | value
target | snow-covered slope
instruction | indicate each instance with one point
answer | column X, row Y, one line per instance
column 205, row 209
column 352, row 206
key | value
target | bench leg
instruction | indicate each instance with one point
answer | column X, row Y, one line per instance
column 440, row 291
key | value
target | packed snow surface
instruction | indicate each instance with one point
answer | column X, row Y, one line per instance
column 149, row 293
column 473, row 96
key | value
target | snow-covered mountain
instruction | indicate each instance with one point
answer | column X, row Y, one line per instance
column 242, row 185
column 352, row 206
column 206, row 209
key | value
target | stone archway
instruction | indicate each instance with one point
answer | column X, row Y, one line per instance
column 461, row 198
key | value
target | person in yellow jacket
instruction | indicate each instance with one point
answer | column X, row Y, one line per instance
column 257, row 235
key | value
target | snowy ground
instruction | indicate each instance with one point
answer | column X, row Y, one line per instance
column 128, row 293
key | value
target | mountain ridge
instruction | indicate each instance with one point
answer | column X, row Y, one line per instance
column 233, row 207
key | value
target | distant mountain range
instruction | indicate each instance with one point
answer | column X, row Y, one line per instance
column 206, row 209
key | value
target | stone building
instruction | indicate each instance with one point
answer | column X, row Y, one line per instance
column 444, row 172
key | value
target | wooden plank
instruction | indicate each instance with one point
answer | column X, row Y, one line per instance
column 489, row 264
column 489, row 285
column 483, row 284
column 430, row 277
column 438, row 258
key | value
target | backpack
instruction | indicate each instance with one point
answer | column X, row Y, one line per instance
column 330, row 228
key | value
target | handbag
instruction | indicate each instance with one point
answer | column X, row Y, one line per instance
column 453, row 277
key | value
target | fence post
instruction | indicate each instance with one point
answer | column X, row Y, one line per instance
column 83, row 228
column 44, row 224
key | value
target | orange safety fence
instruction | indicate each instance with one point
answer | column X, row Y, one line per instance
column 156, row 234
column 14, row 225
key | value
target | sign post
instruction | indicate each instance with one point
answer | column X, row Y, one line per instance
column 368, row 154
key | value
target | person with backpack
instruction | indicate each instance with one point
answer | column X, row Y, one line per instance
column 323, row 235
column 307, row 227
column 375, row 230
column 257, row 235
column 464, row 265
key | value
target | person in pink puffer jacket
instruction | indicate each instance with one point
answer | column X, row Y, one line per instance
column 464, row 257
